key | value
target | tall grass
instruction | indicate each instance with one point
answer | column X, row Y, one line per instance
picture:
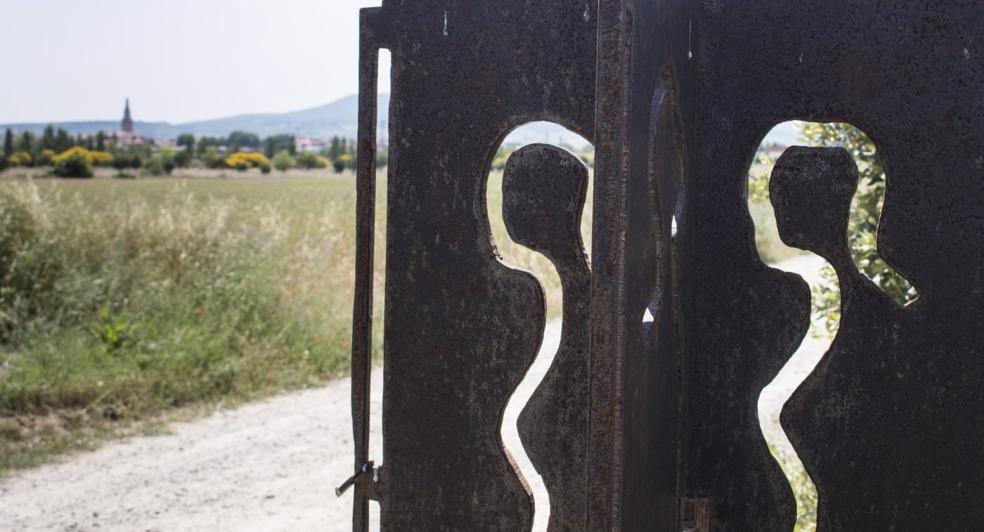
column 116, row 308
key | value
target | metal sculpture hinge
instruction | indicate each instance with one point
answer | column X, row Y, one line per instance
column 367, row 477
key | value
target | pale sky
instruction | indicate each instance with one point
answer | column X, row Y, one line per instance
column 177, row 60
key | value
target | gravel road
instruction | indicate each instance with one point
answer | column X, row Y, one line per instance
column 267, row 466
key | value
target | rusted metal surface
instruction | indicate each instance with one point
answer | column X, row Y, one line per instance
column 544, row 189
column 461, row 329
column 695, row 515
column 888, row 425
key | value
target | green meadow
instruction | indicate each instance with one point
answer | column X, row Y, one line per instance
column 127, row 300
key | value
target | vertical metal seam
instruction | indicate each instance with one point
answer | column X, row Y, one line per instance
column 607, row 345
column 622, row 182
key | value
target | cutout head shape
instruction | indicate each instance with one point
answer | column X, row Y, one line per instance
column 811, row 191
column 543, row 193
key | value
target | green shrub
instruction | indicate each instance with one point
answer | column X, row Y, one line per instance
column 213, row 159
column 283, row 161
column 3, row 162
column 344, row 161
column 168, row 160
column 124, row 161
column 161, row 164
column 310, row 161
column 182, row 159
column 154, row 167
column 46, row 158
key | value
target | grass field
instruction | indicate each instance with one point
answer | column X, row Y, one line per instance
column 126, row 299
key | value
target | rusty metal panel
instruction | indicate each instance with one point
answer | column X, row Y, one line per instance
column 461, row 329
column 889, row 425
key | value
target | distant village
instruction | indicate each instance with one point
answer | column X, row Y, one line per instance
column 127, row 136
column 128, row 151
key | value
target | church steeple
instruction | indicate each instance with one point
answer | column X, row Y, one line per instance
column 127, row 120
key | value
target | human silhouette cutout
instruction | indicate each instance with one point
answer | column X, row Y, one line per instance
column 544, row 191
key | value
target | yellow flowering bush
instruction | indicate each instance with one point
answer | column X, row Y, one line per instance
column 72, row 152
column 101, row 158
column 20, row 158
column 243, row 161
column 74, row 162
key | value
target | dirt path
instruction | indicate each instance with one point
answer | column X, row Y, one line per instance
column 268, row 466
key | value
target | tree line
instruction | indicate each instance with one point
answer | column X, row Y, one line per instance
column 239, row 150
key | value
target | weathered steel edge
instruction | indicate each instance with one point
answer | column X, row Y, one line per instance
column 604, row 475
column 369, row 46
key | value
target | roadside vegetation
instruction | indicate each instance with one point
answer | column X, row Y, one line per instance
column 121, row 301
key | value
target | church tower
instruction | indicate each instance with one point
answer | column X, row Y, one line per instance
column 127, row 120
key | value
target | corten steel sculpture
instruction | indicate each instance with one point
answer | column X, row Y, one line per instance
column 650, row 423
